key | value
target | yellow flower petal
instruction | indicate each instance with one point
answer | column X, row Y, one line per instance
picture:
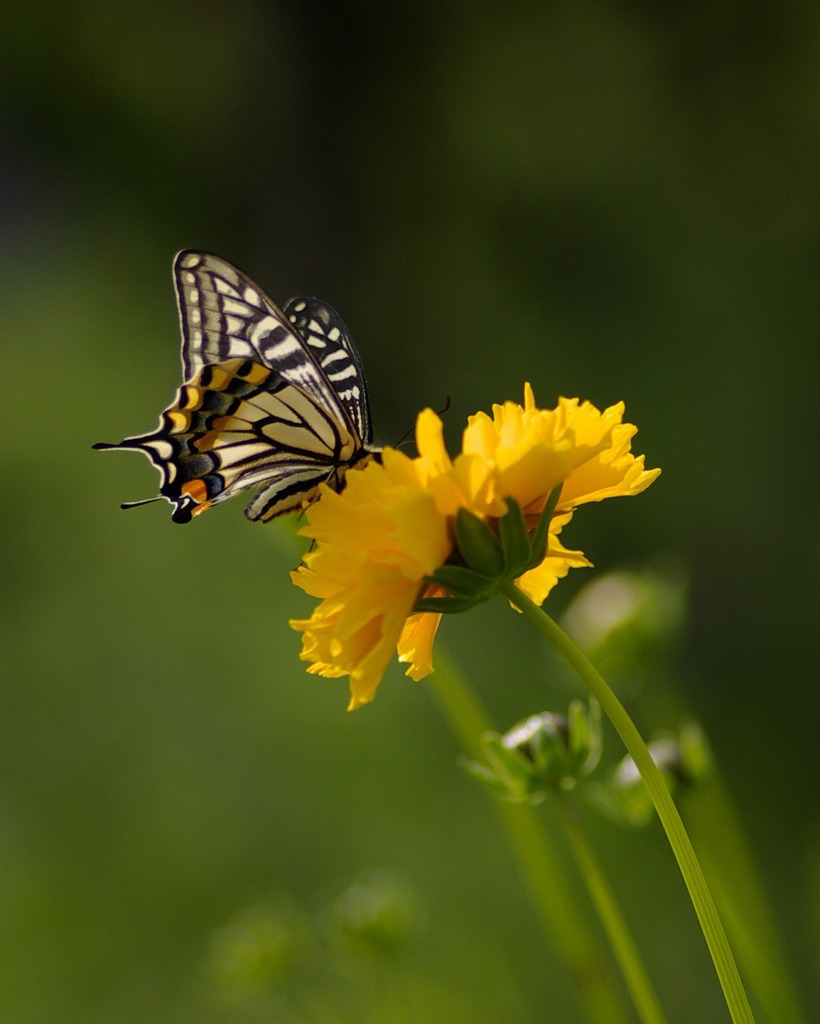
column 415, row 644
column 538, row 582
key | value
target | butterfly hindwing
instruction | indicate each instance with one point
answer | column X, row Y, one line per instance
column 269, row 400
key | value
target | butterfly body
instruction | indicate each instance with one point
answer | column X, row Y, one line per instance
column 272, row 399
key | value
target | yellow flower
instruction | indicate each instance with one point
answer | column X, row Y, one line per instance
column 393, row 526
column 524, row 453
column 375, row 543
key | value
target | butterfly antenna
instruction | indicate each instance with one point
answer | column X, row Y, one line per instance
column 403, row 439
column 142, row 501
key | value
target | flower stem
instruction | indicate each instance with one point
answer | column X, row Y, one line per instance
column 711, row 926
column 739, row 892
column 541, row 867
column 626, row 953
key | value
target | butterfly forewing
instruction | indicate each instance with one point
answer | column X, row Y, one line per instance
column 224, row 315
column 325, row 331
column 266, row 401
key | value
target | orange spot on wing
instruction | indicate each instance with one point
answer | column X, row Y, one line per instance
column 219, row 425
column 196, row 490
column 206, row 442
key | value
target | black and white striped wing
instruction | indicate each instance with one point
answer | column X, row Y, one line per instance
column 325, row 331
column 238, row 425
column 224, row 315
column 268, row 400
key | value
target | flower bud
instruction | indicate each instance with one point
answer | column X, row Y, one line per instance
column 261, row 948
column 684, row 761
column 628, row 623
column 542, row 753
column 378, row 914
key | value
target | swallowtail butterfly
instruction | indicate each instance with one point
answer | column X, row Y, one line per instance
column 274, row 399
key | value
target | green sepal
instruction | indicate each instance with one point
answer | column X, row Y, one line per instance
column 508, row 771
column 540, row 538
column 543, row 740
column 498, row 784
column 460, row 581
column 696, row 756
column 448, row 605
column 515, row 541
column 483, row 774
column 585, row 738
column 508, row 763
column 467, row 588
column 545, row 752
column 478, row 545
column 626, row 807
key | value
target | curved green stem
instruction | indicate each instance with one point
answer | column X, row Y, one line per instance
column 626, row 952
column 740, row 894
column 704, row 905
column 539, row 863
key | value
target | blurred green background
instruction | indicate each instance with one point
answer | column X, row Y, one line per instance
column 613, row 200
